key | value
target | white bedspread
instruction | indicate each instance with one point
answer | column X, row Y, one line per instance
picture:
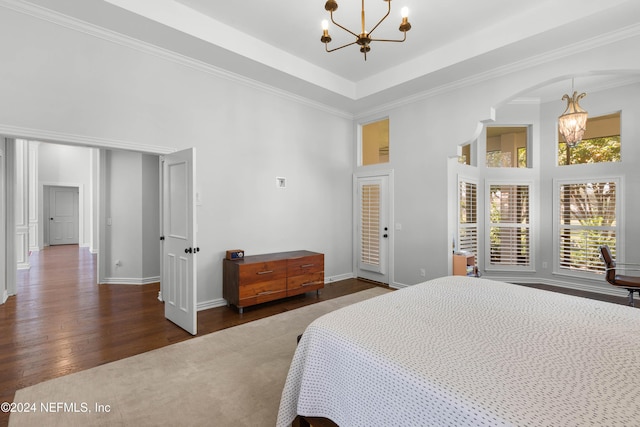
column 461, row 351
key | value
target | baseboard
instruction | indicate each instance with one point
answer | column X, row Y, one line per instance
column 214, row 303
column 130, row 280
column 5, row 296
column 24, row 266
column 339, row 277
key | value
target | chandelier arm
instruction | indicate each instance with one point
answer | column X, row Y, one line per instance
column 340, row 26
column 326, row 47
column 387, row 40
column 383, row 18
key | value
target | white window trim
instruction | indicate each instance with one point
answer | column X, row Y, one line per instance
column 487, row 229
column 620, row 232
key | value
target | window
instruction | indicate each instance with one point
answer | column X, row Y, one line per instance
column 587, row 219
column 601, row 143
column 467, row 216
column 509, row 230
column 465, row 156
column 375, row 142
column 507, row 146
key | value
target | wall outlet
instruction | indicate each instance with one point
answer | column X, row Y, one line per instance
column 545, row 265
column 423, row 272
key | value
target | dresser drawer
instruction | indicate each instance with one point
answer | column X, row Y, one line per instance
column 305, row 283
column 258, row 292
column 262, row 272
column 305, row 265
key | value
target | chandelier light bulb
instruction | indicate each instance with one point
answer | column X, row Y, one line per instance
column 404, row 12
column 325, row 25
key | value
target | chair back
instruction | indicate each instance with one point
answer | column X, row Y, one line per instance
column 609, row 263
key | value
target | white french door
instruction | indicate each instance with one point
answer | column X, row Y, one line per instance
column 373, row 228
column 178, row 277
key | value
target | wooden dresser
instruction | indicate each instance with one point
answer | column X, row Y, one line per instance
column 260, row 278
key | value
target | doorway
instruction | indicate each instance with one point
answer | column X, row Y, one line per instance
column 61, row 208
column 373, row 231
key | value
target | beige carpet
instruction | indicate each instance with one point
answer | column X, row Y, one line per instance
column 233, row 377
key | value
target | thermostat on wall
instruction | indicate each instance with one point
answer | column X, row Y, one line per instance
column 234, row 254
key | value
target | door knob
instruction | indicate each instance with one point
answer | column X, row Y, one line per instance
column 188, row 251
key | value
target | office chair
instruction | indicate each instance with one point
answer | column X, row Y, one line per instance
column 630, row 283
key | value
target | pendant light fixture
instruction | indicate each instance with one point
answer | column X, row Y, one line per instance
column 363, row 38
column 573, row 122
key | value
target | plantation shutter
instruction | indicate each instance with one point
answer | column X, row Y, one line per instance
column 468, row 217
column 370, row 226
column 509, row 229
column 587, row 220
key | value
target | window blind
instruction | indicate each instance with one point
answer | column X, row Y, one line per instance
column 370, row 223
column 587, row 220
column 509, row 226
column 468, row 217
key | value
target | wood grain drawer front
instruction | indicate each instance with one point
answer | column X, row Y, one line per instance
column 262, row 272
column 305, row 265
column 264, row 291
column 306, row 283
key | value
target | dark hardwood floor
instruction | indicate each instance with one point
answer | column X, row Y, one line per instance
column 61, row 322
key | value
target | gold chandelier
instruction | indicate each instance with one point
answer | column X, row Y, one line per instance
column 573, row 122
column 363, row 39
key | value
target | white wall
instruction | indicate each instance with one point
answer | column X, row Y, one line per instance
column 132, row 244
column 245, row 137
column 425, row 134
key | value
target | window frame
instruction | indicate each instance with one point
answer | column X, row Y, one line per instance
column 619, row 227
column 488, row 224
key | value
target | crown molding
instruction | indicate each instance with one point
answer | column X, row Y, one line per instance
column 129, row 42
column 573, row 49
column 148, row 48
column 80, row 140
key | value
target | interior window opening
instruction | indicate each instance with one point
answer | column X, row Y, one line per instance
column 375, row 142
column 507, row 147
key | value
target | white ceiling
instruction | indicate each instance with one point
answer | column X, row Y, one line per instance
column 278, row 43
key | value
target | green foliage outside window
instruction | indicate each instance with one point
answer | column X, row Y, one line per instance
column 594, row 150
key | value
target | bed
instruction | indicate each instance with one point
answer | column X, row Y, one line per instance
column 459, row 351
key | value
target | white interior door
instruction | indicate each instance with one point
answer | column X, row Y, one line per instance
column 63, row 216
column 178, row 281
column 373, row 228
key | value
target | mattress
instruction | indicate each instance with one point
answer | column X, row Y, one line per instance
column 460, row 351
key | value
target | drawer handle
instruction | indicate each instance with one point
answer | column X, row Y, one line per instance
column 308, row 284
column 268, row 292
column 307, row 265
column 265, row 272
